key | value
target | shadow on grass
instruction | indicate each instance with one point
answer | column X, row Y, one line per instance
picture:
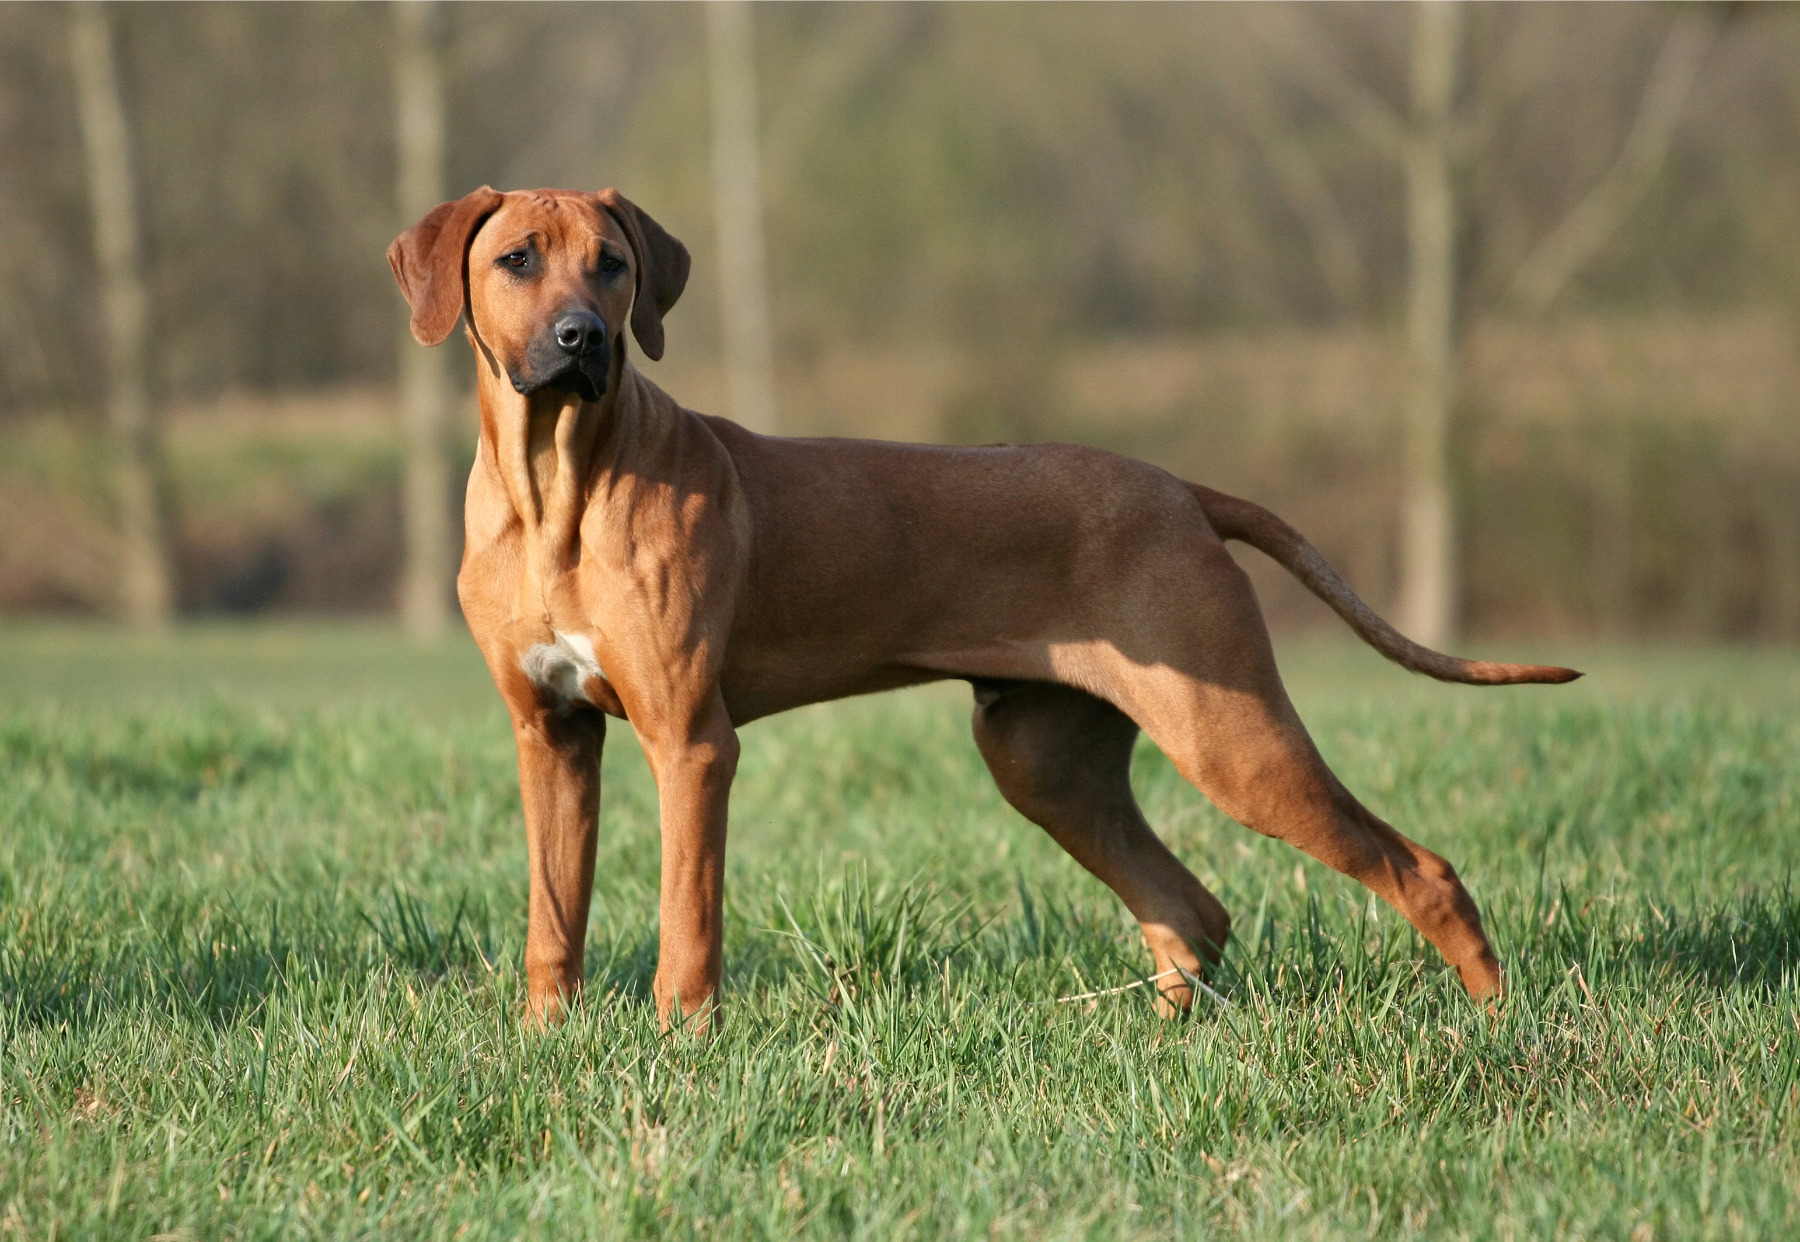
column 1746, row 944
column 846, row 938
column 625, row 966
column 222, row 965
column 158, row 759
column 1751, row 942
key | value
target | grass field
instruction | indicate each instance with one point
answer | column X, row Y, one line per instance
column 262, row 912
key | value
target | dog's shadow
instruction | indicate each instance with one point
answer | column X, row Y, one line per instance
column 225, row 970
column 225, row 965
column 1746, row 943
column 621, row 962
column 1752, row 944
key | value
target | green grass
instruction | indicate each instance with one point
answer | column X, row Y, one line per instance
column 262, row 912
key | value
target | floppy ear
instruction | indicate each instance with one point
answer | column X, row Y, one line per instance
column 662, row 269
column 430, row 260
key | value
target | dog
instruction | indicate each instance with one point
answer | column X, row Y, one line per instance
column 627, row 557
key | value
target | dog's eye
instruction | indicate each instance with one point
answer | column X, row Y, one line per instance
column 517, row 260
column 611, row 265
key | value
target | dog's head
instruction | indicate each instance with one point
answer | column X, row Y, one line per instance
column 548, row 278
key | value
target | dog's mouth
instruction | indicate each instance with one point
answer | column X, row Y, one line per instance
column 585, row 376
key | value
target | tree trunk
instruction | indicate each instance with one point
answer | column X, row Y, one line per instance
column 1592, row 222
column 145, row 591
column 425, row 394
column 743, row 284
column 1612, row 576
column 1429, row 585
column 1781, row 558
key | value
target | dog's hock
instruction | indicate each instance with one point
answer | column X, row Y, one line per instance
column 561, row 669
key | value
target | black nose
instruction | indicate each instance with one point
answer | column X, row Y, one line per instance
column 579, row 331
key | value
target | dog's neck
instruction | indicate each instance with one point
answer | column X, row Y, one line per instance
column 549, row 451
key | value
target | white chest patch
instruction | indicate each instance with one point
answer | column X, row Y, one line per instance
column 560, row 668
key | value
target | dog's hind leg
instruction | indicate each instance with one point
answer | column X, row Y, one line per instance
column 1062, row 758
column 1269, row 777
column 1202, row 682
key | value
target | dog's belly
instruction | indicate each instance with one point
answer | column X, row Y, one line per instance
column 777, row 682
column 754, row 692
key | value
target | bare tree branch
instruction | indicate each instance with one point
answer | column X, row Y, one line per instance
column 1548, row 269
column 834, row 69
column 1304, row 187
column 1377, row 121
column 1500, row 85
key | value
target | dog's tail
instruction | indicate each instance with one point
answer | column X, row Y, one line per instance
column 1252, row 524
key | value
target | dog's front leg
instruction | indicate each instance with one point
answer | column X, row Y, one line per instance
column 559, row 781
column 694, row 760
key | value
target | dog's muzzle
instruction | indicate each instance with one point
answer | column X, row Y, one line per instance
column 571, row 355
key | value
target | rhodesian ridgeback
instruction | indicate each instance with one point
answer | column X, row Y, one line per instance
column 627, row 557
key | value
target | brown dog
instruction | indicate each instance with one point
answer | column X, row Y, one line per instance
column 629, row 557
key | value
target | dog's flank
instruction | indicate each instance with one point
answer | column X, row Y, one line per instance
column 1247, row 522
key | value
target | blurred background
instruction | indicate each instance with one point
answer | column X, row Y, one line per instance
column 1500, row 304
